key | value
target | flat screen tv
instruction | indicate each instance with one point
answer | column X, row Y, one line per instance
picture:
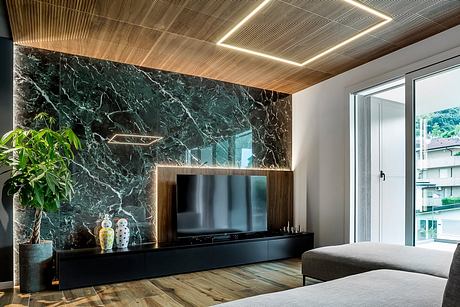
column 215, row 204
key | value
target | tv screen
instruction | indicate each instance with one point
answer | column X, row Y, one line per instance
column 214, row 204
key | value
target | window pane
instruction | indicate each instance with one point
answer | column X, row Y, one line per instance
column 444, row 172
column 206, row 155
column 222, row 153
column 437, row 105
column 243, row 149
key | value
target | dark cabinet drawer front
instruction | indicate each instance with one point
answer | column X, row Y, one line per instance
column 100, row 270
column 204, row 258
column 289, row 247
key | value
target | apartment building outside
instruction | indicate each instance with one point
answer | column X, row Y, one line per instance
column 438, row 188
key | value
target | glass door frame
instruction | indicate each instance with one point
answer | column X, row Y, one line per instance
column 370, row 88
column 410, row 138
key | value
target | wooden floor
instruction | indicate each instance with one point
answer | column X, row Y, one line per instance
column 194, row 289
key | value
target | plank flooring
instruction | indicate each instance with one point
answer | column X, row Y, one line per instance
column 194, row 289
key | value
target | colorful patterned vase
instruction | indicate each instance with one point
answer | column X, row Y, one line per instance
column 122, row 233
column 106, row 234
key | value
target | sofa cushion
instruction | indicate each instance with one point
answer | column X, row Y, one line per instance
column 376, row 288
column 328, row 263
column 452, row 291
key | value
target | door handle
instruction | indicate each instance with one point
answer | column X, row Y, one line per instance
column 382, row 175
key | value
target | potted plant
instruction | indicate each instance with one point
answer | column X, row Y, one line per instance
column 41, row 178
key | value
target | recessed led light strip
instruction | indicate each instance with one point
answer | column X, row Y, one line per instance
column 345, row 42
column 260, row 54
column 368, row 9
column 245, row 19
column 223, row 167
column 361, row 6
column 153, row 139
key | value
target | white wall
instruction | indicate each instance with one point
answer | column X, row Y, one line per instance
column 321, row 135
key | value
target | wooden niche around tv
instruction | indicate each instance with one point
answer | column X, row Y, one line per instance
column 280, row 186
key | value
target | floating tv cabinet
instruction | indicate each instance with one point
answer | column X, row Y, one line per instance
column 89, row 267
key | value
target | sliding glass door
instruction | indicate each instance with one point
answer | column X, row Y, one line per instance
column 433, row 185
column 406, row 166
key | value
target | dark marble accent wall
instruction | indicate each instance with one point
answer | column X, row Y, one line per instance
column 203, row 122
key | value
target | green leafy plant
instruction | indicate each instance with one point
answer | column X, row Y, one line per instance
column 452, row 200
column 40, row 161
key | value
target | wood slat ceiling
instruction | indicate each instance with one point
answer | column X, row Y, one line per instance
column 181, row 35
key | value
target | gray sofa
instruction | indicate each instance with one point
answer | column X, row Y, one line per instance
column 372, row 275
column 332, row 262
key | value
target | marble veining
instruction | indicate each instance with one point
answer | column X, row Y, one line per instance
column 202, row 122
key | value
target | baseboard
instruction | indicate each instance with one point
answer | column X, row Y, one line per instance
column 6, row 285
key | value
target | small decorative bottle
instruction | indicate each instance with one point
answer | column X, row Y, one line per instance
column 96, row 231
column 106, row 233
column 122, row 233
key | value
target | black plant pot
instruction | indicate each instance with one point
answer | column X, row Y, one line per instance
column 35, row 266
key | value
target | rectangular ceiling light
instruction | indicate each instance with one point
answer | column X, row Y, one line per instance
column 264, row 3
column 134, row 139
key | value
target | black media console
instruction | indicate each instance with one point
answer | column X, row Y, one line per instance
column 88, row 267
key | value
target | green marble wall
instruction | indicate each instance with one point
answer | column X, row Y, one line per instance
column 202, row 122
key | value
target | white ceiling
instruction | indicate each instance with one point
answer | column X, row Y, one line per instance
column 438, row 92
column 395, row 94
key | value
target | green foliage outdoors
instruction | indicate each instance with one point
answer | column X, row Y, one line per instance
column 40, row 160
column 444, row 123
column 451, row 200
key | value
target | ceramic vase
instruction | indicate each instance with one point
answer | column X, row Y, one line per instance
column 96, row 231
column 122, row 233
column 106, row 234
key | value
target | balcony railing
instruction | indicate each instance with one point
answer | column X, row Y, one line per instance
column 444, row 182
column 439, row 162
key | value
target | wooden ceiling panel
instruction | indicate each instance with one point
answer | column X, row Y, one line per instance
column 193, row 55
column 401, row 9
column 333, row 63
column 276, row 36
column 79, row 5
column 130, row 11
column 54, row 22
column 289, row 32
column 307, row 75
column 377, row 46
column 446, row 13
column 181, row 35
column 321, row 40
column 155, row 14
column 329, row 9
column 223, row 9
column 130, row 45
column 161, row 15
column 412, row 25
column 358, row 19
column 199, row 26
column 224, row 64
column 68, row 46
